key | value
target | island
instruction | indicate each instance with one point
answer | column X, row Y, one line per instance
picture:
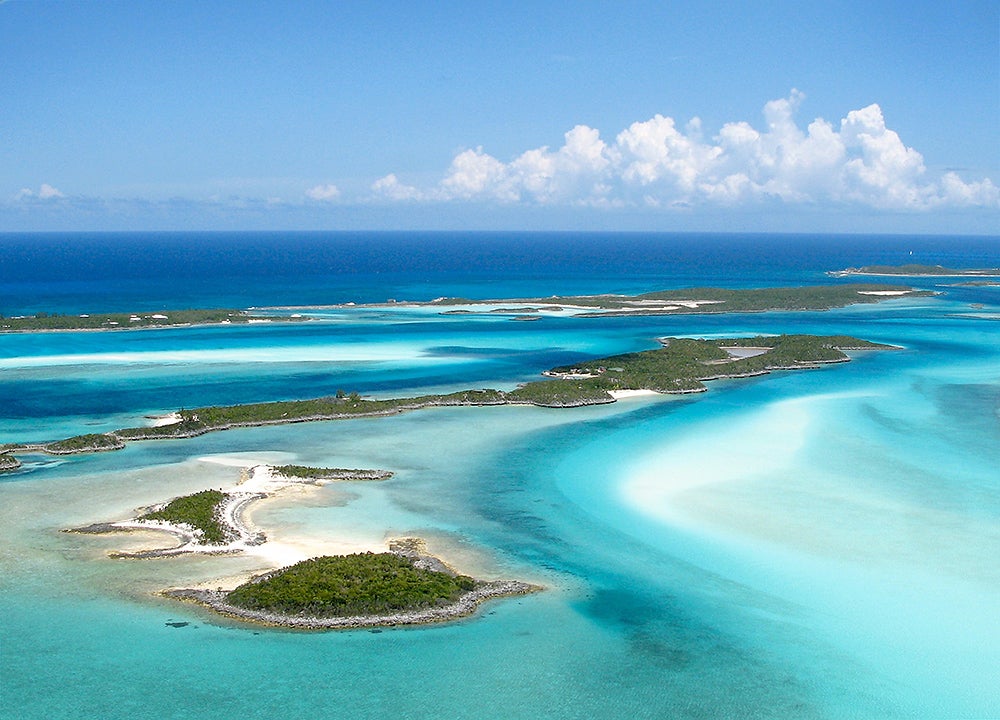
column 8, row 463
column 679, row 365
column 916, row 270
column 50, row 322
column 214, row 521
column 404, row 586
column 687, row 301
column 364, row 590
column 664, row 302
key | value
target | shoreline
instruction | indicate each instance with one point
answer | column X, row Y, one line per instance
column 258, row 484
column 607, row 385
column 463, row 607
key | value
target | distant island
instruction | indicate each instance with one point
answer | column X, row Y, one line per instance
column 404, row 586
column 915, row 270
column 668, row 302
column 681, row 365
column 673, row 302
column 49, row 322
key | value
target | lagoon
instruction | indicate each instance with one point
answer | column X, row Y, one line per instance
column 804, row 545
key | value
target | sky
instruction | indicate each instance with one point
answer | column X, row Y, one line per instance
column 717, row 116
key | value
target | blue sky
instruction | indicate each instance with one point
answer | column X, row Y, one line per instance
column 778, row 116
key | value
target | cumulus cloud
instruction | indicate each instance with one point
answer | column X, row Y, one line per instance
column 45, row 192
column 655, row 162
column 323, row 192
column 389, row 187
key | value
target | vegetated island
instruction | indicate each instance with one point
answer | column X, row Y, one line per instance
column 916, row 270
column 669, row 302
column 363, row 590
column 8, row 463
column 404, row 586
column 50, row 322
column 681, row 365
column 214, row 521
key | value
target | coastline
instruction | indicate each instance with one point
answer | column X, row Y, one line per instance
column 257, row 485
column 684, row 369
column 464, row 607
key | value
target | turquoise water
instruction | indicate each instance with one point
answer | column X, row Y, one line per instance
column 816, row 544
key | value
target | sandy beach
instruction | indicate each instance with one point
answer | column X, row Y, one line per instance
column 258, row 485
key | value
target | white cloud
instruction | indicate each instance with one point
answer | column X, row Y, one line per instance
column 474, row 173
column 656, row 163
column 323, row 192
column 389, row 187
column 45, row 192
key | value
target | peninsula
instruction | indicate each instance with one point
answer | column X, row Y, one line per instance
column 680, row 365
column 915, row 270
column 50, row 322
column 667, row 302
column 404, row 586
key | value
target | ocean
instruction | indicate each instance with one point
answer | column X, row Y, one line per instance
column 810, row 544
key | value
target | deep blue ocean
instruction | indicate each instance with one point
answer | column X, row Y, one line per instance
column 812, row 544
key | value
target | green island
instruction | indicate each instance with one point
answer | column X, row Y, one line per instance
column 695, row 300
column 342, row 585
column 42, row 322
column 305, row 472
column 214, row 520
column 363, row 590
column 8, row 463
column 201, row 511
column 915, row 270
column 404, row 586
column 681, row 365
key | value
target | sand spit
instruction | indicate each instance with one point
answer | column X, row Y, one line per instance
column 256, row 483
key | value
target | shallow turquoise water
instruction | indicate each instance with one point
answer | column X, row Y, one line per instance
column 815, row 544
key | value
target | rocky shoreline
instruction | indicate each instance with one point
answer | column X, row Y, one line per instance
column 465, row 606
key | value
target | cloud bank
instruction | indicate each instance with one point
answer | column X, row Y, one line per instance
column 654, row 163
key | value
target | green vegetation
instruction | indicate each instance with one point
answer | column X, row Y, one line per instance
column 200, row 511
column 915, row 269
column 714, row 300
column 340, row 586
column 317, row 473
column 8, row 463
column 123, row 321
column 202, row 420
column 681, row 366
column 92, row 442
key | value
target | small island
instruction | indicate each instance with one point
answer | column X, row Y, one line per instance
column 214, row 521
column 364, row 590
column 404, row 586
column 681, row 365
column 916, row 270
column 8, row 463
